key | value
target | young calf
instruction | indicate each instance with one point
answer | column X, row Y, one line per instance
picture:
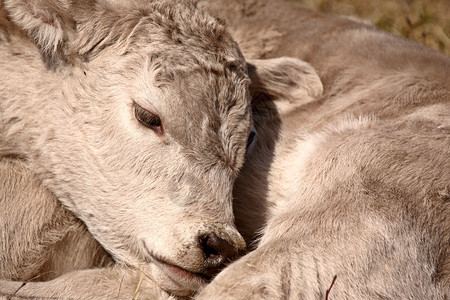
column 135, row 116
column 349, row 192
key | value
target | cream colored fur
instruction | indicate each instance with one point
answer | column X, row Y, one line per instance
column 72, row 73
column 352, row 185
column 85, row 187
column 349, row 176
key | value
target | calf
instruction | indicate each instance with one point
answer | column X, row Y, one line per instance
column 349, row 191
column 135, row 116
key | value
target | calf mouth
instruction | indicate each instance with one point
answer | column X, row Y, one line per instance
column 173, row 278
column 180, row 276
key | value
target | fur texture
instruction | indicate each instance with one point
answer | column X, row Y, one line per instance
column 72, row 73
column 85, row 185
column 350, row 179
column 353, row 185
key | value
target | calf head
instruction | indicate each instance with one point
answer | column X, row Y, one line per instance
column 143, row 130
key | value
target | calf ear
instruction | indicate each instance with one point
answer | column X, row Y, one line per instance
column 289, row 82
column 46, row 22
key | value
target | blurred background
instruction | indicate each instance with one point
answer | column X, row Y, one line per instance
column 425, row 21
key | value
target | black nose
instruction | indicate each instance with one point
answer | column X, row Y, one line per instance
column 216, row 251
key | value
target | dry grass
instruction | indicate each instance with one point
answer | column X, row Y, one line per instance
column 425, row 21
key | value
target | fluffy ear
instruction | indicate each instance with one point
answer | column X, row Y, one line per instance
column 47, row 23
column 290, row 82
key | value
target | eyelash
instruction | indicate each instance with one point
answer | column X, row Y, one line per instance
column 148, row 119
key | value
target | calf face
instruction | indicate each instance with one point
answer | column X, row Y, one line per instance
column 136, row 116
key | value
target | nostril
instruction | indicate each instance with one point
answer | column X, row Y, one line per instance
column 211, row 247
column 216, row 250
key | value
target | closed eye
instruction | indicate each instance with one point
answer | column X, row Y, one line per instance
column 251, row 141
column 148, row 119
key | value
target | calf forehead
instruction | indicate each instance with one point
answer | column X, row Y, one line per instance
column 207, row 111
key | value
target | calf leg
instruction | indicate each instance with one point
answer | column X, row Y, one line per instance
column 106, row 283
